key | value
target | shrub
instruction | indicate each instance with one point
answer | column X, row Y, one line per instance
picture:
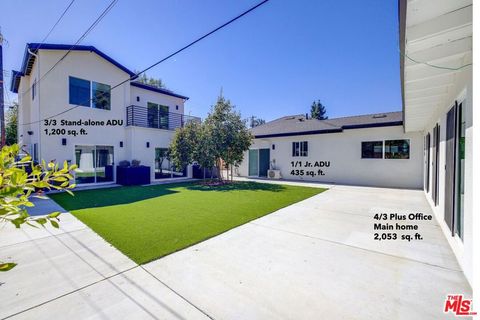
column 124, row 163
column 135, row 163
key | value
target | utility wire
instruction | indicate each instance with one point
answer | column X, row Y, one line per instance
column 436, row 66
column 158, row 62
column 90, row 28
column 56, row 23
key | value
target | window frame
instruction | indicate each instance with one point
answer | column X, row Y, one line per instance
column 299, row 148
column 91, row 102
column 373, row 141
column 34, row 89
column 93, row 99
column 395, row 158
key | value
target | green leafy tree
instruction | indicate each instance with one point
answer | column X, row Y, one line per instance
column 160, row 156
column 318, row 111
column 204, row 152
column 11, row 126
column 18, row 185
column 231, row 135
column 182, row 147
column 156, row 82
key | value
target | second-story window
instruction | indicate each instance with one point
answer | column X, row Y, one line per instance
column 34, row 89
column 79, row 91
column 89, row 93
column 100, row 96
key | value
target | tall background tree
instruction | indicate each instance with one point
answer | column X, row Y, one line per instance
column 11, row 124
column 156, row 82
column 254, row 121
column 318, row 111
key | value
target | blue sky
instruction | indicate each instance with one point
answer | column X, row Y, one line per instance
column 271, row 63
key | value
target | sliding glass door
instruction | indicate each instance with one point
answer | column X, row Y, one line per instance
column 157, row 116
column 95, row 164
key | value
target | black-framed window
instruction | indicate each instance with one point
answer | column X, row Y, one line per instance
column 89, row 93
column 372, row 149
column 397, row 149
column 100, row 96
column 34, row 89
column 79, row 92
column 300, row 149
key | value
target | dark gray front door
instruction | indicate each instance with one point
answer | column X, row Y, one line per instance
column 264, row 163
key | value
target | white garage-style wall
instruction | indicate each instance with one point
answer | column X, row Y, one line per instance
column 343, row 152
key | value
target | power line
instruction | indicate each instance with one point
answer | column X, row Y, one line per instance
column 436, row 66
column 90, row 28
column 56, row 23
column 159, row 61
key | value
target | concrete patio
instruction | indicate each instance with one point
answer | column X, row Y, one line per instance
column 313, row 260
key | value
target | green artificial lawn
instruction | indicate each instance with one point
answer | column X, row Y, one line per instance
column 146, row 223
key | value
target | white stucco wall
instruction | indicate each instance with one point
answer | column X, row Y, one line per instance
column 463, row 249
column 53, row 98
column 343, row 151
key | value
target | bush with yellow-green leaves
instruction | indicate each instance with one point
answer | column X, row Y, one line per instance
column 20, row 180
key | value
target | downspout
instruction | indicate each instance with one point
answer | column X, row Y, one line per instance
column 37, row 84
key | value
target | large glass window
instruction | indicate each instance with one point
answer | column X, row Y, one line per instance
column 79, row 92
column 372, row 150
column 397, row 149
column 152, row 115
column 100, row 96
column 163, row 112
column 300, row 149
column 164, row 168
column 84, row 156
column 157, row 115
column 104, row 163
column 95, row 164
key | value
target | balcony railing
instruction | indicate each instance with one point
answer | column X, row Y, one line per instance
column 155, row 118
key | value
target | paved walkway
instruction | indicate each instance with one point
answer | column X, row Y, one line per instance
column 313, row 260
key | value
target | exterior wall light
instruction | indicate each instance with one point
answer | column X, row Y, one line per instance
column 148, row 144
column 121, row 144
column 64, row 141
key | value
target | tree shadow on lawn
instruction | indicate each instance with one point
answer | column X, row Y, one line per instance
column 240, row 186
column 97, row 198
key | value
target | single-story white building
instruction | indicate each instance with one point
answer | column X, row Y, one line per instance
column 368, row 150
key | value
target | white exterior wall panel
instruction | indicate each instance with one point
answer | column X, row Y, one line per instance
column 343, row 151
column 462, row 93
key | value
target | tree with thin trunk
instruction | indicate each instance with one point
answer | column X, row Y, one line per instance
column 204, row 152
column 231, row 135
column 183, row 145
column 318, row 111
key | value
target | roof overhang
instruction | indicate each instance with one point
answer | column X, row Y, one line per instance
column 32, row 49
column 15, row 81
column 159, row 90
column 341, row 129
column 435, row 48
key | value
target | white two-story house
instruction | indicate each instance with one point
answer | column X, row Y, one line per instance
column 86, row 108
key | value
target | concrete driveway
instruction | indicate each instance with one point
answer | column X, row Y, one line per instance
column 313, row 260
